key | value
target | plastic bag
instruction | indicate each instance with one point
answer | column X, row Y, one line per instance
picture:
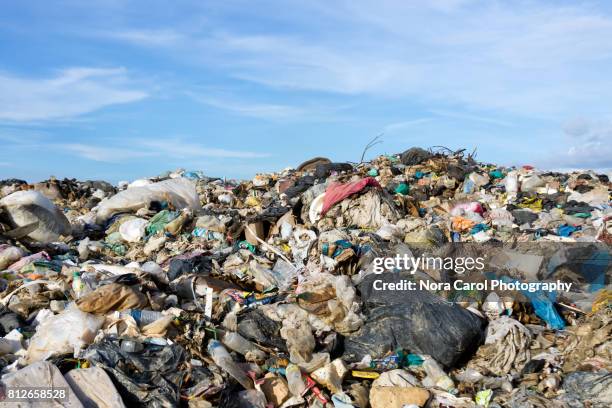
column 64, row 333
column 8, row 255
column 179, row 192
column 511, row 182
column 160, row 220
column 506, row 348
column 422, row 322
column 94, row 388
column 280, row 276
column 436, row 377
column 39, row 375
column 32, row 209
column 531, row 183
column 149, row 377
column 133, row 230
column 543, row 305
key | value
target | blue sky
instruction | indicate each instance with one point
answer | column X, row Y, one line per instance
column 124, row 89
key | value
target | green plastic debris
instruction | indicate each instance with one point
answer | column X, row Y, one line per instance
column 402, row 189
column 41, row 267
column 246, row 245
column 373, row 173
column 414, row 360
column 114, row 242
column 392, row 158
column 159, row 222
column 496, row 174
column 118, row 249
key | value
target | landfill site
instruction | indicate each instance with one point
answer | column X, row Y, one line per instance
column 285, row 290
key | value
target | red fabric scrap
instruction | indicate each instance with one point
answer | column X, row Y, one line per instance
column 337, row 192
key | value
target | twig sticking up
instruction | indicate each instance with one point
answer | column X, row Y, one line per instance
column 371, row 144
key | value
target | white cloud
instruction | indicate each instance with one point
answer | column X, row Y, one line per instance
column 541, row 60
column 171, row 148
column 535, row 59
column 592, row 155
column 104, row 154
column 293, row 63
column 590, row 146
column 147, row 38
column 256, row 110
column 72, row 92
column 576, row 127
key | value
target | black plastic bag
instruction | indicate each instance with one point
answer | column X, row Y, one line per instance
column 413, row 320
column 150, row 377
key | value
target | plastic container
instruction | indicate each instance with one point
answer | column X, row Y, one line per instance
column 223, row 359
column 239, row 344
column 142, row 317
column 296, row 384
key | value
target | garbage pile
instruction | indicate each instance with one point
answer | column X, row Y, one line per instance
column 187, row 290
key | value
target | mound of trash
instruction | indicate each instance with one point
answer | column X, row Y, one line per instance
column 421, row 279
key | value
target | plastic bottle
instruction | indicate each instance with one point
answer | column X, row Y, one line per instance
column 223, row 359
column 239, row 344
column 296, row 384
column 142, row 317
column 78, row 286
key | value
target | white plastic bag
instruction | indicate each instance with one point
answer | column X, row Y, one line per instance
column 133, row 230
column 41, row 374
column 66, row 332
column 388, row 231
column 179, row 192
column 511, row 182
column 532, row 182
column 32, row 208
